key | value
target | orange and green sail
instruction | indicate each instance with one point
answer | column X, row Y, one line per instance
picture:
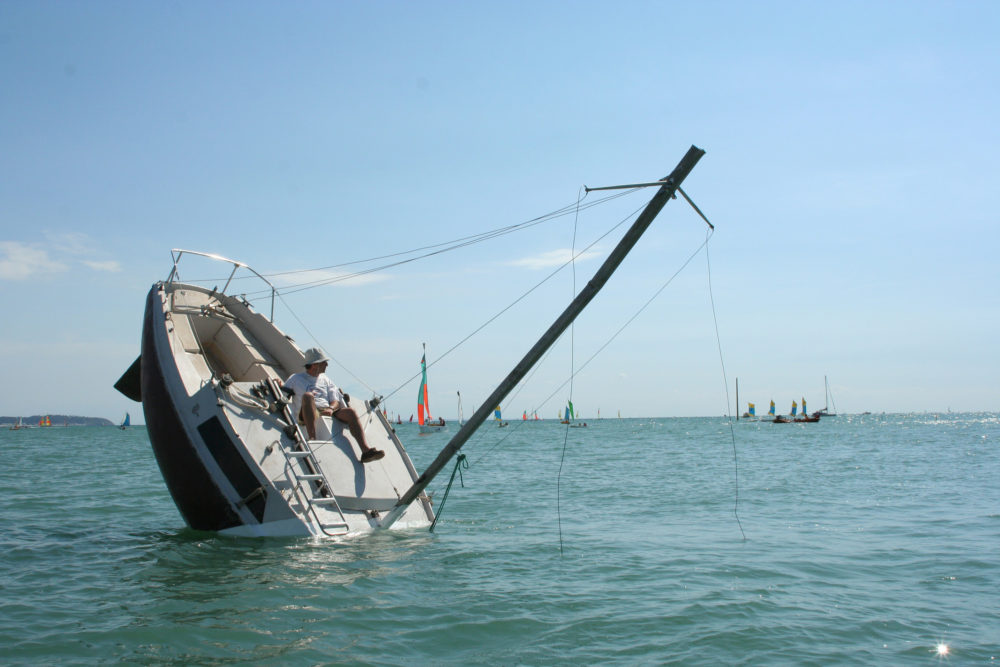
column 423, row 404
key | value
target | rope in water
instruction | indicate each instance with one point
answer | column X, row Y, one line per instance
column 460, row 463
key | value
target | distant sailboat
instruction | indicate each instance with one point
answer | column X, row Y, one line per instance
column 825, row 412
column 45, row 421
column 461, row 418
column 568, row 416
column 498, row 417
column 751, row 412
column 125, row 422
column 424, row 418
column 805, row 415
column 17, row 426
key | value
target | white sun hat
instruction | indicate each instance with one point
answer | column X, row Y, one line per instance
column 314, row 355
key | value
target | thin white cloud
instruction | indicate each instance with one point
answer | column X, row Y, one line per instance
column 552, row 258
column 57, row 254
column 321, row 277
column 21, row 261
column 110, row 266
column 70, row 243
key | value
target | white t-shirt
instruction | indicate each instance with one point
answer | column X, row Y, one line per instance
column 322, row 388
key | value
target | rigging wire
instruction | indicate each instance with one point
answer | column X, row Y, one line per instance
column 465, row 240
column 725, row 382
column 645, row 305
column 572, row 363
column 435, row 249
column 608, row 342
column 569, row 262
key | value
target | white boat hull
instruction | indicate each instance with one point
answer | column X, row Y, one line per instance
column 232, row 462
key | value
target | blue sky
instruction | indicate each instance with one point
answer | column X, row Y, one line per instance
column 850, row 168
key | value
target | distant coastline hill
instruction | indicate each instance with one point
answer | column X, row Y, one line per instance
column 60, row 420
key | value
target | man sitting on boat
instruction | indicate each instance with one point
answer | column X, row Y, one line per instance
column 316, row 394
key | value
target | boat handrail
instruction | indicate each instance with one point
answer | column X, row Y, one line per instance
column 177, row 253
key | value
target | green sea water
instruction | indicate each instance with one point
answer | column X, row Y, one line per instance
column 868, row 540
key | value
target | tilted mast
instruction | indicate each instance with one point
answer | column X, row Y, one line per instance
column 668, row 186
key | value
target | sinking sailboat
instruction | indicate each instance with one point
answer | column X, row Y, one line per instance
column 234, row 457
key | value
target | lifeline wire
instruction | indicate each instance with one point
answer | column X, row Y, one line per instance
column 725, row 382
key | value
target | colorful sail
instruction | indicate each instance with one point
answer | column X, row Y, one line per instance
column 795, row 408
column 524, row 416
column 496, row 413
column 752, row 410
column 771, row 411
column 569, row 410
column 804, row 406
column 423, row 404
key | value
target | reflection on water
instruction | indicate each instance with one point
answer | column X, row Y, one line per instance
column 228, row 566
